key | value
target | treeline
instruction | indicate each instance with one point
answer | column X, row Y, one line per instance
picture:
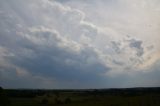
column 126, row 91
column 25, row 93
column 122, row 92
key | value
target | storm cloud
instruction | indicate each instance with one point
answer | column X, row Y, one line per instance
column 59, row 44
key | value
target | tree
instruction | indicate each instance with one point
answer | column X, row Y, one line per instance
column 4, row 100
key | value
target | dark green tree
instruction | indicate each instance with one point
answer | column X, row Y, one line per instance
column 4, row 100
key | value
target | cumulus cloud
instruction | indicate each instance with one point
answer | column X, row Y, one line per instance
column 50, row 52
column 59, row 44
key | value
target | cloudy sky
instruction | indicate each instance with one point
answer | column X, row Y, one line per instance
column 79, row 43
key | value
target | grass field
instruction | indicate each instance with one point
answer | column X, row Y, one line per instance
column 129, row 97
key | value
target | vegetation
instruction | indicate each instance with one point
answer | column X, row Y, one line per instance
column 98, row 97
column 4, row 100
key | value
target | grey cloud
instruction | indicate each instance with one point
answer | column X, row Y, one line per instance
column 129, row 51
column 53, row 58
column 47, row 59
column 151, row 47
column 116, row 46
column 45, row 50
column 137, row 44
column 138, row 78
column 118, row 62
column 46, row 40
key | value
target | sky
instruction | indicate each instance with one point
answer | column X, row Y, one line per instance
column 79, row 44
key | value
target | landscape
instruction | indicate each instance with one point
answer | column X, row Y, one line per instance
column 79, row 52
column 81, row 97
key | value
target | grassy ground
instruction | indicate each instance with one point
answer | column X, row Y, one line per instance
column 89, row 100
column 113, row 97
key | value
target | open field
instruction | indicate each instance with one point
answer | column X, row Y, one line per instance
column 90, row 97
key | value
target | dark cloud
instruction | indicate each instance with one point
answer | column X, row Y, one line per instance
column 45, row 44
column 42, row 51
column 44, row 57
column 137, row 44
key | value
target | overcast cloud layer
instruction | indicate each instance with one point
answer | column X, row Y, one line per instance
column 79, row 43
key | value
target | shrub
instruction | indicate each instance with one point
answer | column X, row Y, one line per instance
column 44, row 101
column 57, row 101
column 68, row 100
